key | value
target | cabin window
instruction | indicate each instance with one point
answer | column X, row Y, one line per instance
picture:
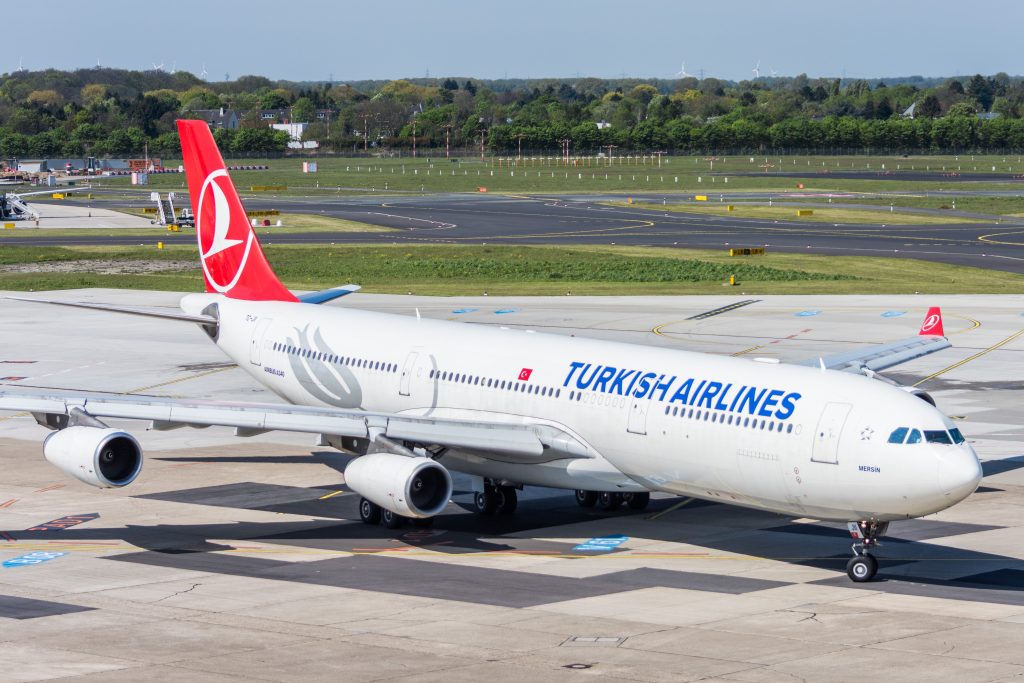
column 789, row 429
column 938, row 436
column 957, row 436
column 915, row 436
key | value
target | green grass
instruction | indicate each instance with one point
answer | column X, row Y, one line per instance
column 993, row 206
column 505, row 270
column 341, row 176
column 293, row 223
column 789, row 213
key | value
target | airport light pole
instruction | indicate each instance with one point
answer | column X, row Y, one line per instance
column 519, row 156
column 366, row 141
column 414, row 136
column 565, row 150
column 659, row 157
column 483, row 133
column 610, row 148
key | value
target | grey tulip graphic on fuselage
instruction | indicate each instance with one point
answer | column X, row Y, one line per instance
column 332, row 383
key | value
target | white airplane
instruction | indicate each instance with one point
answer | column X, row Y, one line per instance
column 416, row 398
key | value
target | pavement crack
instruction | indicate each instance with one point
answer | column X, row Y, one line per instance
column 172, row 595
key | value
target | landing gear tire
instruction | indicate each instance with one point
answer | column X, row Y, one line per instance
column 862, row 568
column 586, row 499
column 392, row 520
column 369, row 512
column 508, row 500
column 637, row 501
column 485, row 502
column 607, row 500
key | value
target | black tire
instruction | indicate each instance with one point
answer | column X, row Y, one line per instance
column 508, row 500
column 637, row 501
column 423, row 522
column 586, row 499
column 369, row 511
column 392, row 520
column 862, row 568
column 485, row 502
column 607, row 500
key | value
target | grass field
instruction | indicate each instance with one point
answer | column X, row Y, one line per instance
column 474, row 270
column 992, row 206
column 590, row 174
column 789, row 213
column 292, row 223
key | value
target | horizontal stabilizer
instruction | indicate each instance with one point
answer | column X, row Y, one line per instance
column 325, row 295
column 164, row 313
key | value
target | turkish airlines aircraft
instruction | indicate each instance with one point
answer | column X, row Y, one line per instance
column 414, row 398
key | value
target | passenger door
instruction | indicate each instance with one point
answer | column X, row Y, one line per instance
column 256, row 342
column 826, row 436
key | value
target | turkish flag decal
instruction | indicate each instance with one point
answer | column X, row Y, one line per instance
column 524, row 374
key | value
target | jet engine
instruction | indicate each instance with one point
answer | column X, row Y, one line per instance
column 923, row 395
column 408, row 486
column 101, row 457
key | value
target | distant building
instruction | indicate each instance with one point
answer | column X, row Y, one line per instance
column 989, row 115
column 294, row 130
column 77, row 165
column 909, row 113
column 274, row 115
column 324, row 115
column 601, row 125
column 218, row 118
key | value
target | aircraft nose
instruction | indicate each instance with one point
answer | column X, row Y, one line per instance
column 959, row 474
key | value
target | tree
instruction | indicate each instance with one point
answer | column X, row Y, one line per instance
column 929, row 107
column 981, row 90
column 45, row 98
column 303, row 110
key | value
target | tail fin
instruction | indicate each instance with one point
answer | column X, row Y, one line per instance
column 233, row 262
column 932, row 325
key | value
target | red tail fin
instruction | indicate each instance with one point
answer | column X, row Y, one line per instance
column 932, row 325
column 233, row 262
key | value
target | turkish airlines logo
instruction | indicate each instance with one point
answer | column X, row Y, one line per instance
column 524, row 374
column 218, row 234
column 930, row 322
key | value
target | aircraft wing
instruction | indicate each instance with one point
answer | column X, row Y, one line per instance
column 881, row 356
column 518, row 443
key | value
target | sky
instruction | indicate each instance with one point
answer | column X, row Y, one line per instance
column 319, row 40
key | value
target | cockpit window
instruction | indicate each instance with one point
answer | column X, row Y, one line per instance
column 957, row 436
column 915, row 436
column 937, row 436
column 898, row 435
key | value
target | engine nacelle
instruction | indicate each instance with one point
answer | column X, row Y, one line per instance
column 923, row 395
column 105, row 458
column 407, row 486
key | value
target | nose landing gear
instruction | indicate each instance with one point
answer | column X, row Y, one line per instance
column 863, row 566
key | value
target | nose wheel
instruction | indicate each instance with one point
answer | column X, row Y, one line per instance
column 863, row 566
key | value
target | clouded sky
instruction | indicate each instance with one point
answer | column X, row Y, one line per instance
column 318, row 39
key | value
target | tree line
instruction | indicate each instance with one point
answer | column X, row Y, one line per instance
column 116, row 112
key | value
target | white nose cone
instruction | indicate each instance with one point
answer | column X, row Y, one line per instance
column 959, row 474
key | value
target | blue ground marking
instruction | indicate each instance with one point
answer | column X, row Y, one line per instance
column 465, row 310
column 806, row 314
column 503, row 311
column 893, row 314
column 602, row 543
column 31, row 559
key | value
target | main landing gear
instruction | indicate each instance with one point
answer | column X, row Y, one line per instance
column 495, row 499
column 608, row 500
column 371, row 513
column 863, row 566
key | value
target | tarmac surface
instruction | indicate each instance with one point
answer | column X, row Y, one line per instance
column 574, row 219
column 239, row 559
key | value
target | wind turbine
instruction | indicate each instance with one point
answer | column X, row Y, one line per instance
column 20, row 67
column 682, row 71
column 773, row 72
column 203, row 73
column 757, row 70
column 174, row 68
column 158, row 67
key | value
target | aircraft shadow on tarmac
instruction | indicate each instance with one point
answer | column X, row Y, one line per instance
column 909, row 562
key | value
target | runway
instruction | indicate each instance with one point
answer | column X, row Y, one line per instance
column 244, row 558
column 574, row 219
